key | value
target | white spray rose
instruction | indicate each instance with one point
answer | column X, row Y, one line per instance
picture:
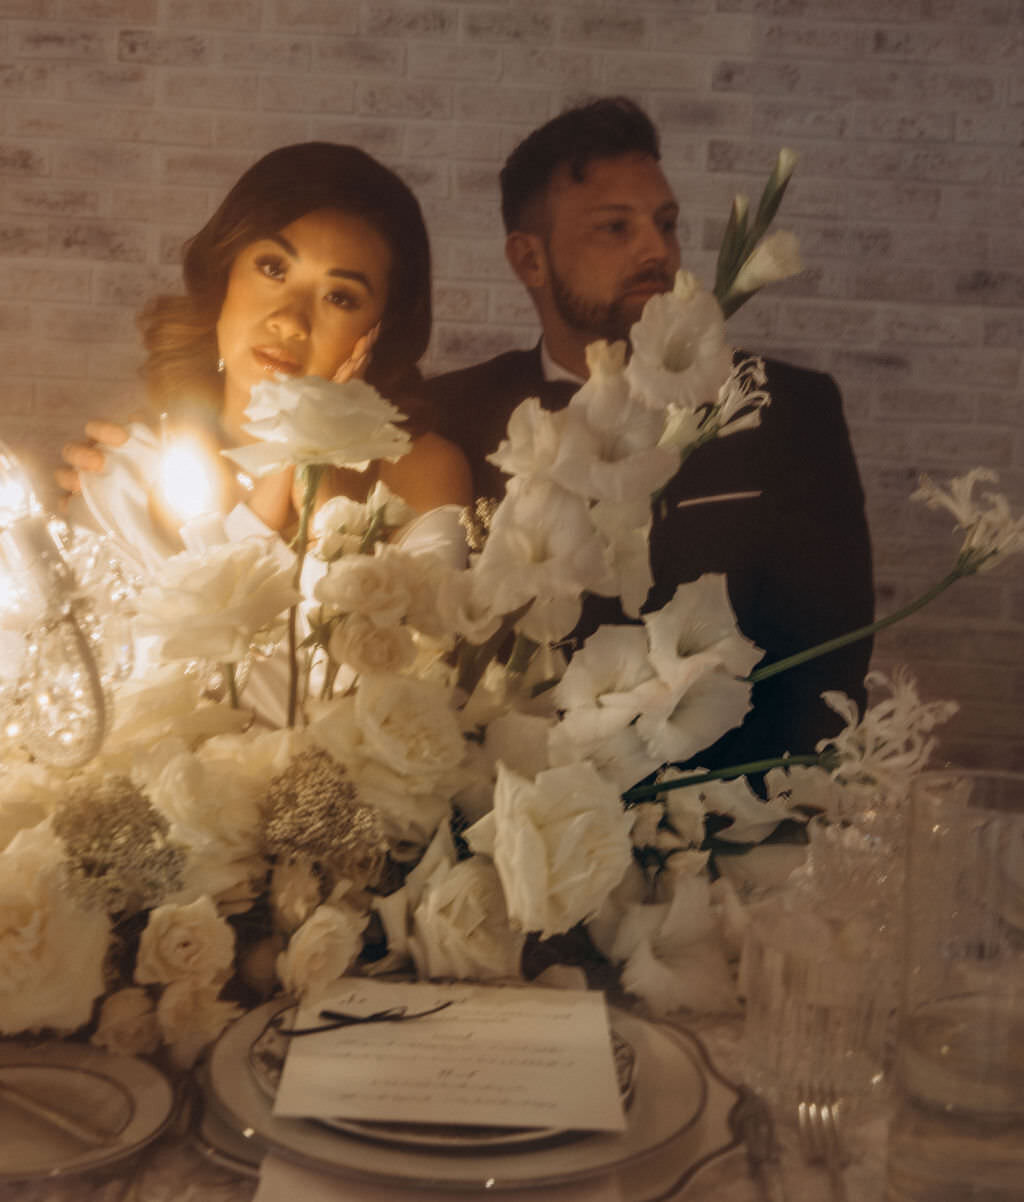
column 51, row 948
column 367, row 646
column 191, row 1016
column 321, row 950
column 212, row 605
column 305, row 420
column 185, row 942
column 375, row 585
column 128, row 1024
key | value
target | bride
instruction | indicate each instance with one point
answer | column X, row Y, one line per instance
column 317, row 263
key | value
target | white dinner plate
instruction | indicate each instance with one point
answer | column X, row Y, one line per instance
column 669, row 1099
column 125, row 1102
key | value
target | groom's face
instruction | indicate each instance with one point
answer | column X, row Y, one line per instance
column 610, row 243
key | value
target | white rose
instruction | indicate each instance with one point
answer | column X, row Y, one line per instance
column 213, row 604
column 375, row 585
column 409, row 725
column 191, row 1017
column 306, row 420
column 179, row 942
column 680, row 356
column 560, row 843
column 51, row 948
column 461, row 927
column 128, row 1024
column 366, row 646
column 321, row 950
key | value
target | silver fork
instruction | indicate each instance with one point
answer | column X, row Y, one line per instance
column 818, row 1122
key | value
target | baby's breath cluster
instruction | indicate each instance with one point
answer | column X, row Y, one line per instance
column 118, row 853
column 314, row 814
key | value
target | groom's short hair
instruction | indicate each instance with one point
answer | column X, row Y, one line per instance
column 601, row 129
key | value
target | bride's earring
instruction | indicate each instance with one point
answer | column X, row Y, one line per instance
column 220, row 365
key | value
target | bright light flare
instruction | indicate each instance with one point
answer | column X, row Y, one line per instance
column 187, row 483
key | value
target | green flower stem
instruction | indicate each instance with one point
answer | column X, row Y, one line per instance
column 522, row 652
column 309, row 476
column 644, row 792
column 862, row 632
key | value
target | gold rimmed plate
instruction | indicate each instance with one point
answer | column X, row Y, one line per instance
column 67, row 1108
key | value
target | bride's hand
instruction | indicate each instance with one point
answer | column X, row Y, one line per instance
column 88, row 456
column 355, row 365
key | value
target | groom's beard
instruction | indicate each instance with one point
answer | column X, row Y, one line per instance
column 611, row 320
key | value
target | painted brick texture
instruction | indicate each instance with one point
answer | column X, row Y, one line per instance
column 122, row 122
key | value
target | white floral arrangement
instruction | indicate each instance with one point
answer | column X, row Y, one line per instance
column 447, row 789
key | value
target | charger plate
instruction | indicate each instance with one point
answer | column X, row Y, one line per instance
column 669, row 1116
column 126, row 1101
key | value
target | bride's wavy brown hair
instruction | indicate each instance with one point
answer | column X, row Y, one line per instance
column 179, row 332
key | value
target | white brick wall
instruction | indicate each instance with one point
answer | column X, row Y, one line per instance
column 122, row 121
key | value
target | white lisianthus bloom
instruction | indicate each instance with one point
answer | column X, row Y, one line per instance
column 376, row 585
column 672, row 952
column 992, row 532
column 680, row 356
column 466, row 608
column 543, row 547
column 682, row 719
column 621, row 757
column 533, row 440
column 461, row 927
column 368, row 646
column 560, row 842
column 776, row 257
column 191, row 1016
column 185, row 942
column 127, row 1024
column 610, row 447
column 753, row 818
column 212, row 605
column 304, row 420
column 698, row 620
column 604, row 673
column 625, row 528
column 892, row 742
column 52, row 948
column 321, row 950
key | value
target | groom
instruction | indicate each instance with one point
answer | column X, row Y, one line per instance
column 591, row 233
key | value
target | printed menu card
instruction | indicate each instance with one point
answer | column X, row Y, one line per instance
column 493, row 1056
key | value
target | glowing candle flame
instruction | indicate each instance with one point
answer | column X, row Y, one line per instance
column 187, row 483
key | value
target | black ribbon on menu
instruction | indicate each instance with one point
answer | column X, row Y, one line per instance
column 338, row 1018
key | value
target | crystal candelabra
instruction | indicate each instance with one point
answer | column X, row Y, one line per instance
column 55, row 662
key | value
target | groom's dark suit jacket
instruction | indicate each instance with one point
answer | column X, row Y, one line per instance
column 797, row 554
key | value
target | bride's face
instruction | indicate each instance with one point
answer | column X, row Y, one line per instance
column 297, row 302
